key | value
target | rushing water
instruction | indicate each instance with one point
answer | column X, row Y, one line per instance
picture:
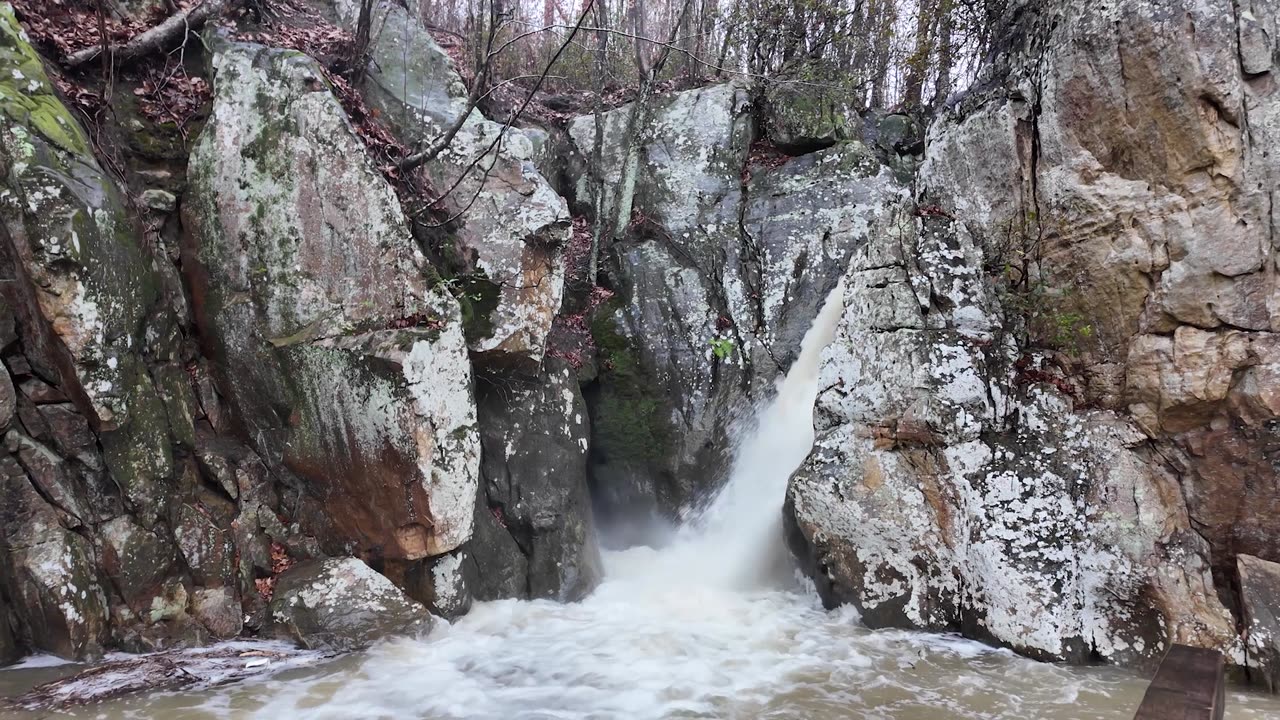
column 709, row 626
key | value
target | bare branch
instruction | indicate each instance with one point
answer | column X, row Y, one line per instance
column 671, row 47
column 494, row 146
column 473, row 98
column 439, row 145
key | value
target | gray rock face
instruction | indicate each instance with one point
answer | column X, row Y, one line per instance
column 88, row 438
column 536, row 438
column 513, row 235
column 955, row 483
column 342, row 604
column 718, row 275
column 1260, row 596
column 362, row 387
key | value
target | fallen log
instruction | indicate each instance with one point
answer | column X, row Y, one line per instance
column 168, row 33
column 169, row 671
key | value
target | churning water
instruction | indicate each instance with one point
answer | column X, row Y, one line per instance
column 701, row 628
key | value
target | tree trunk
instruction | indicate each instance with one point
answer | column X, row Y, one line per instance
column 942, row 85
column 918, row 64
column 598, row 204
column 881, row 16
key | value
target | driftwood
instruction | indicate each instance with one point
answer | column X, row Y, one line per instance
column 193, row 669
column 170, row 32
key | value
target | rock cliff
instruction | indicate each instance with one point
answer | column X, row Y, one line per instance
column 1049, row 421
column 1048, row 418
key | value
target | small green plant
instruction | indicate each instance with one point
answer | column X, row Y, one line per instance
column 1049, row 316
column 722, row 348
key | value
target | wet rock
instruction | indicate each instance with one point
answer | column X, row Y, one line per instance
column 512, row 237
column 50, row 476
column 218, row 609
column 505, row 569
column 70, row 433
column 342, row 605
column 441, row 583
column 363, row 389
column 535, row 438
column 205, row 546
column 50, row 578
column 135, row 559
column 1260, row 598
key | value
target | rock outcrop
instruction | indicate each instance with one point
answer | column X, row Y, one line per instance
column 535, row 533
column 511, row 225
column 88, row 436
column 1092, row 229
column 337, row 356
column 341, row 604
column 719, row 264
column 1259, row 591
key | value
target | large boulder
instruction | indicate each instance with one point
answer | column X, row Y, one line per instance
column 1054, row 261
column 78, row 280
column 342, row 605
column 1138, row 156
column 1260, row 598
column 339, row 357
column 949, row 490
column 91, row 401
column 512, row 226
column 535, row 438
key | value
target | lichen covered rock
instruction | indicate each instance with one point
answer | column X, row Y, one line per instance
column 536, row 438
column 511, row 225
column 89, row 452
column 1055, row 260
column 335, row 351
column 342, row 604
column 944, row 493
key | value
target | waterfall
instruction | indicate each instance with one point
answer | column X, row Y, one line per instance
column 736, row 541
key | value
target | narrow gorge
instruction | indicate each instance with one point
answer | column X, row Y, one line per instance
column 727, row 399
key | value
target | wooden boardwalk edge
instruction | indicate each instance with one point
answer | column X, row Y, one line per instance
column 1189, row 685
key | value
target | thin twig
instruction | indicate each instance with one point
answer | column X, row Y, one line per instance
column 515, row 116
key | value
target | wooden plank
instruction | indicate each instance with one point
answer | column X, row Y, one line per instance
column 1189, row 685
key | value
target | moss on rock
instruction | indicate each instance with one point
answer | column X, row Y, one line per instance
column 630, row 420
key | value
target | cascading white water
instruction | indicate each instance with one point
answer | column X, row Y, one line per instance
column 736, row 539
column 687, row 631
